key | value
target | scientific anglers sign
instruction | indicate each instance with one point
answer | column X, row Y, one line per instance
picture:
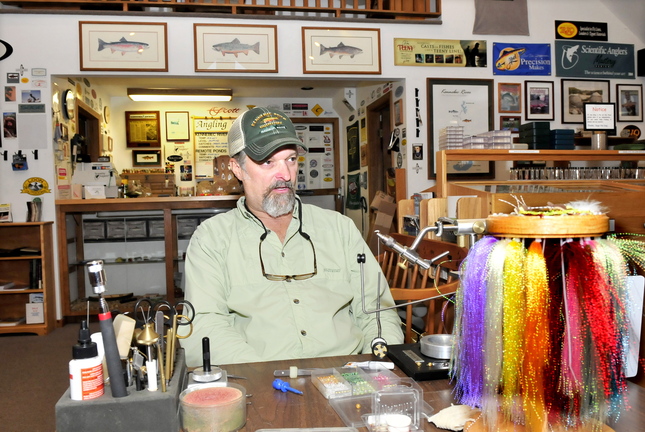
column 594, row 60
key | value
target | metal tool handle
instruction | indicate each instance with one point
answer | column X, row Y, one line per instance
column 206, row 354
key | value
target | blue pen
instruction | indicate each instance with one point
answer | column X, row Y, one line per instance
column 283, row 386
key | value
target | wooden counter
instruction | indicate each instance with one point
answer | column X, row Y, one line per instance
column 69, row 215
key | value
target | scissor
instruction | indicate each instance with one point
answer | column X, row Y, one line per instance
column 145, row 310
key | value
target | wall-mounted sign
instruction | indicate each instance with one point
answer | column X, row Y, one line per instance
column 594, row 60
column 35, row 186
column 142, row 128
column 599, row 116
column 581, row 30
column 521, row 59
column 210, row 142
column 440, row 52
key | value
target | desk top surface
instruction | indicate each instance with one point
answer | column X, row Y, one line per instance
column 272, row 409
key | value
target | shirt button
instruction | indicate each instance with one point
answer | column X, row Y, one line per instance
column 302, row 332
column 296, row 301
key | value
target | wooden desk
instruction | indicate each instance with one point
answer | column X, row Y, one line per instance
column 272, row 409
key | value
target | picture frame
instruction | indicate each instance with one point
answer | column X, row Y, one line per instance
column 238, row 48
column 341, row 50
column 599, row 117
column 123, row 46
column 459, row 102
column 629, row 98
column 146, row 158
column 575, row 93
column 509, row 97
column 539, row 100
column 398, row 112
column 511, row 123
column 142, row 129
column 177, row 126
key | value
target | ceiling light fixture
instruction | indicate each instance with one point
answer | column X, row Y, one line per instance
column 180, row 95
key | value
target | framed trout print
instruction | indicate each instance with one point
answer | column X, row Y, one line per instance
column 123, row 46
column 238, row 48
column 341, row 50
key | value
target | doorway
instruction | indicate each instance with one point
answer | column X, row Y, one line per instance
column 89, row 127
column 379, row 131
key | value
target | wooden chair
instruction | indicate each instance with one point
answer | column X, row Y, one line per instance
column 410, row 282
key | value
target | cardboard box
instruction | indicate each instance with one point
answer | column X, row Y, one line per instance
column 382, row 223
column 379, row 198
column 34, row 313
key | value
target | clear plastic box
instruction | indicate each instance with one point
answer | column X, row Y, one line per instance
column 402, row 397
column 406, row 398
column 331, row 384
column 360, row 381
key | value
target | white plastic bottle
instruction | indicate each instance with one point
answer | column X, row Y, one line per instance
column 85, row 370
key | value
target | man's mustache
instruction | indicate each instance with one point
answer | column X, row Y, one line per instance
column 282, row 184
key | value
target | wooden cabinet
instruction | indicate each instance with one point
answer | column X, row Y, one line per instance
column 620, row 197
column 165, row 222
column 26, row 259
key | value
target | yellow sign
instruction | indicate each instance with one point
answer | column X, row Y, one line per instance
column 567, row 30
column 35, row 186
column 317, row 110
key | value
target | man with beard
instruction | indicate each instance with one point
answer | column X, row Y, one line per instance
column 274, row 278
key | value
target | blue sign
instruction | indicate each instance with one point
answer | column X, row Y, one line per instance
column 594, row 60
column 521, row 59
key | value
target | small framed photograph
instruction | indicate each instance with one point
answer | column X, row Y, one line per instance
column 509, row 97
column 341, row 50
column 123, row 46
column 511, row 123
column 13, row 77
column 576, row 93
column 146, row 158
column 238, row 48
column 398, row 112
column 539, row 100
column 177, row 126
column 142, row 129
column 630, row 102
column 599, row 116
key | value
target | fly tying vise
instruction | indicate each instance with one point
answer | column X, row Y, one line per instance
column 470, row 227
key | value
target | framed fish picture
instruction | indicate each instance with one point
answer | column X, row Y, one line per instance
column 235, row 48
column 123, row 46
column 146, row 158
column 341, row 50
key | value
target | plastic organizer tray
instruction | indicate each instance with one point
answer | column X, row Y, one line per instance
column 350, row 381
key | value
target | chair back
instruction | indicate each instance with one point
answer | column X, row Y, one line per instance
column 410, row 282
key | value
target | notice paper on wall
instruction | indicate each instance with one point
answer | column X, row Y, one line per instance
column 32, row 130
column 211, row 141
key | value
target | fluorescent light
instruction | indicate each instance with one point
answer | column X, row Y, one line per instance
column 180, row 95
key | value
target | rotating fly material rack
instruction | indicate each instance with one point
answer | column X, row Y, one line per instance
column 540, row 324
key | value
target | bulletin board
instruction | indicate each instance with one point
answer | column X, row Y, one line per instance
column 210, row 142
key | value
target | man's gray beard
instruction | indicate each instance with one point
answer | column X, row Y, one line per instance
column 279, row 204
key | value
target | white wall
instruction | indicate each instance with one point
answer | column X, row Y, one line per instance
column 51, row 42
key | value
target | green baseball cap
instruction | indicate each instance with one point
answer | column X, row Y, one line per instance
column 260, row 132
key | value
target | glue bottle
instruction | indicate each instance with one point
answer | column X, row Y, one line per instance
column 85, row 370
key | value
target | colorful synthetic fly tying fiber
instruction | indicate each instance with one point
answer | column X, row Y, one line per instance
column 469, row 320
column 542, row 332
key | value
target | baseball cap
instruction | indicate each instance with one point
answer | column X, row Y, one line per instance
column 260, row 132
